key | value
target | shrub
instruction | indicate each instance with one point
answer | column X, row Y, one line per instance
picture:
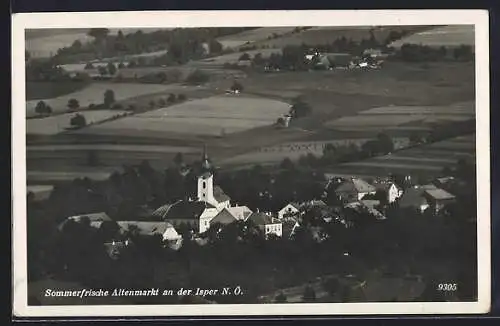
column 171, row 98
column 181, row 97
column 197, row 77
column 78, row 121
column 245, row 56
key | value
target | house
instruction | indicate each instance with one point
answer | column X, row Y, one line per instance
column 94, row 219
column 390, row 190
column 354, row 189
column 224, row 217
column 291, row 209
column 438, row 198
column 368, row 206
column 333, row 60
column 266, row 223
column 415, row 197
column 150, row 228
column 240, row 212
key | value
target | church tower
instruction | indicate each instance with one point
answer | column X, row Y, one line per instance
column 206, row 180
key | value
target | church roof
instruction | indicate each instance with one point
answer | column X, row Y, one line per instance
column 145, row 228
column 220, row 195
column 182, row 210
column 224, row 217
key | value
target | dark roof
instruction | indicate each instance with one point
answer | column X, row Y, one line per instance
column 184, row 210
column 260, row 219
column 439, row 194
column 355, row 185
column 93, row 217
column 224, row 217
column 413, row 197
column 219, row 194
column 145, row 228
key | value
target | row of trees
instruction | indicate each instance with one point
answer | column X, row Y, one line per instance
column 424, row 53
column 182, row 44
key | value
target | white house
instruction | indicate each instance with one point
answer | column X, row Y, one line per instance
column 393, row 193
column 289, row 210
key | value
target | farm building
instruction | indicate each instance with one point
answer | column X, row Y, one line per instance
column 354, row 189
column 390, row 190
column 289, row 210
column 94, row 220
column 266, row 223
column 426, row 196
column 334, row 60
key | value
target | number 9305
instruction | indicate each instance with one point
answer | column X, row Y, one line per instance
column 447, row 287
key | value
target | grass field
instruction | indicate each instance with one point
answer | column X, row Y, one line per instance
column 449, row 36
column 43, row 43
column 427, row 159
column 211, row 116
column 59, row 123
column 328, row 34
column 383, row 118
column 232, row 58
column 331, row 95
column 251, row 36
column 276, row 154
column 94, row 94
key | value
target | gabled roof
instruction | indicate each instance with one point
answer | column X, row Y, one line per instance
column 224, row 217
column 238, row 211
column 355, row 185
column 93, row 217
column 293, row 204
column 219, row 195
column 439, row 194
column 413, row 197
column 182, row 210
column 260, row 219
column 145, row 228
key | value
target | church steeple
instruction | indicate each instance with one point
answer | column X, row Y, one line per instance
column 206, row 167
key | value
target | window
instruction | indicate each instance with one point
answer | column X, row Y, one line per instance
column 204, row 184
column 204, row 195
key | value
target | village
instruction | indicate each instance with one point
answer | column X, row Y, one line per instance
column 212, row 210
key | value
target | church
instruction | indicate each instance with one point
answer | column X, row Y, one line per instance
column 211, row 201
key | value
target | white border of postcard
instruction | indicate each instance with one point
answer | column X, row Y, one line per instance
column 163, row 19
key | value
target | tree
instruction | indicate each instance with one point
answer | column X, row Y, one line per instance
column 197, row 77
column 299, row 108
column 162, row 102
column 287, row 164
column 111, row 69
column 332, row 286
column 102, row 70
column 171, row 98
column 385, row 143
column 258, row 60
column 215, row 46
column 237, row 86
column 78, row 121
column 42, row 108
column 244, row 57
column 88, row 66
column 415, row 138
column 121, row 65
column 280, row 298
column 99, row 34
column 109, row 98
column 280, row 122
column 92, row 158
column 178, row 159
column 309, row 294
column 73, row 104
